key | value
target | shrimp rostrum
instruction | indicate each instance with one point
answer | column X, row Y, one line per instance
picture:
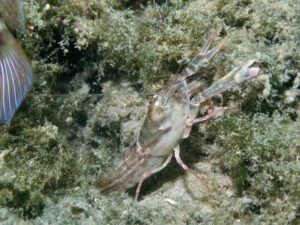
column 169, row 118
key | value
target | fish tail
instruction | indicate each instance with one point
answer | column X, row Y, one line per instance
column 12, row 13
column 15, row 76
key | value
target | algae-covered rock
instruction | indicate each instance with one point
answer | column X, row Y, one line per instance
column 95, row 65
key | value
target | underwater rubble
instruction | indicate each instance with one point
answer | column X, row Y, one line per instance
column 95, row 64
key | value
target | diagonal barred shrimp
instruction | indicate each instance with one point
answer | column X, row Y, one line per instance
column 170, row 117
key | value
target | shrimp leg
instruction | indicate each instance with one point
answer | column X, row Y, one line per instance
column 149, row 173
column 186, row 168
column 203, row 57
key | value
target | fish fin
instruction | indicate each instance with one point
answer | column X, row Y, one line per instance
column 15, row 77
column 12, row 13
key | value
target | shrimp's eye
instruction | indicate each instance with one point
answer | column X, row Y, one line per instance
column 156, row 100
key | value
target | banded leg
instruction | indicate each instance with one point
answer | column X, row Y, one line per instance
column 149, row 173
column 236, row 76
column 215, row 112
column 186, row 168
column 203, row 57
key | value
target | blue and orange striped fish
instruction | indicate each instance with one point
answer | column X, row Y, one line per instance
column 15, row 69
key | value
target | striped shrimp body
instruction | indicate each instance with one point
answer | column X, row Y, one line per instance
column 164, row 125
column 169, row 118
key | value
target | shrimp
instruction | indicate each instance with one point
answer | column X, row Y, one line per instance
column 169, row 118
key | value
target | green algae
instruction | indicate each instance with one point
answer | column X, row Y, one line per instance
column 262, row 159
column 65, row 135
